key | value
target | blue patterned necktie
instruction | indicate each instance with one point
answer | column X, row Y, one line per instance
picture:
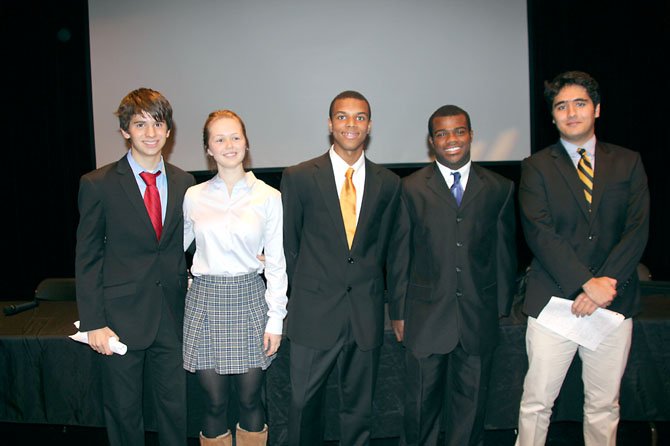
column 457, row 188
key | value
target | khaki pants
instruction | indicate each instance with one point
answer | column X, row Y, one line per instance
column 549, row 357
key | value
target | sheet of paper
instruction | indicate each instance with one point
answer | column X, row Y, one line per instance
column 588, row 331
column 117, row 347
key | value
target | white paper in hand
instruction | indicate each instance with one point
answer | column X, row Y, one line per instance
column 117, row 347
column 587, row 331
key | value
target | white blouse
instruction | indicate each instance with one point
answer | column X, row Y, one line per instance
column 230, row 230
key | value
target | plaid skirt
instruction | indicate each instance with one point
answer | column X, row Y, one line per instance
column 224, row 323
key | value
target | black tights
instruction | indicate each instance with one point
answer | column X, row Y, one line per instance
column 218, row 390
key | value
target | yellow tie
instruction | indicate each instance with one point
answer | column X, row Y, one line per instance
column 585, row 172
column 348, row 205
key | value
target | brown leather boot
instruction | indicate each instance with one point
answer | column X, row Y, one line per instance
column 222, row 440
column 246, row 438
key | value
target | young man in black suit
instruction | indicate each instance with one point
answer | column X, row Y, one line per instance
column 337, row 247
column 459, row 275
column 131, row 274
column 586, row 223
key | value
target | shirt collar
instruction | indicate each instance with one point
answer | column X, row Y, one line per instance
column 446, row 172
column 340, row 166
column 589, row 146
column 247, row 181
column 137, row 169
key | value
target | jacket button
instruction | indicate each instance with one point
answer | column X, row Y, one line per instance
column 350, row 260
column 348, row 289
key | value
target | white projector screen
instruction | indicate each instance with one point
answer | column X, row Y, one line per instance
column 279, row 64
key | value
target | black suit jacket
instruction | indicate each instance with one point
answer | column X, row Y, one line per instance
column 570, row 244
column 461, row 263
column 123, row 273
column 330, row 284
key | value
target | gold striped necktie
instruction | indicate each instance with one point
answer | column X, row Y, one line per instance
column 348, row 205
column 585, row 172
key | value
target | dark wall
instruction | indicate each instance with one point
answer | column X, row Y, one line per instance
column 47, row 136
column 47, row 125
column 625, row 48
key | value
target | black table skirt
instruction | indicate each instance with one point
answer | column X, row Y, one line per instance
column 49, row 378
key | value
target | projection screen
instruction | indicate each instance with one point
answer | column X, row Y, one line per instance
column 279, row 64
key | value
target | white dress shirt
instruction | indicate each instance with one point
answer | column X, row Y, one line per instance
column 231, row 229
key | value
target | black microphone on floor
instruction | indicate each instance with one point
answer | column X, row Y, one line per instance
column 14, row 309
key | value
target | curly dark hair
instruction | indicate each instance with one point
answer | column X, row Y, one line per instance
column 580, row 78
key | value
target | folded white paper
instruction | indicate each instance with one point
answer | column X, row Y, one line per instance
column 588, row 331
column 114, row 344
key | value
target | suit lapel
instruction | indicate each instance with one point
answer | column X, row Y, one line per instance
column 171, row 202
column 436, row 182
column 569, row 172
column 323, row 176
column 474, row 186
column 603, row 166
column 370, row 197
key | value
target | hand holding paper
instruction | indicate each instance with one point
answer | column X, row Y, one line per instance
column 588, row 331
column 114, row 344
column 583, row 305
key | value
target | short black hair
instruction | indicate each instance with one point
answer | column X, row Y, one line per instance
column 447, row 110
column 551, row 89
column 349, row 94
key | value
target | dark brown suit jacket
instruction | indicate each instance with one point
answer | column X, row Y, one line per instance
column 570, row 244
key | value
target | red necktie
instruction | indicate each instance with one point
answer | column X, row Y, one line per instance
column 152, row 200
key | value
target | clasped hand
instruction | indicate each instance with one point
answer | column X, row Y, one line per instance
column 599, row 292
